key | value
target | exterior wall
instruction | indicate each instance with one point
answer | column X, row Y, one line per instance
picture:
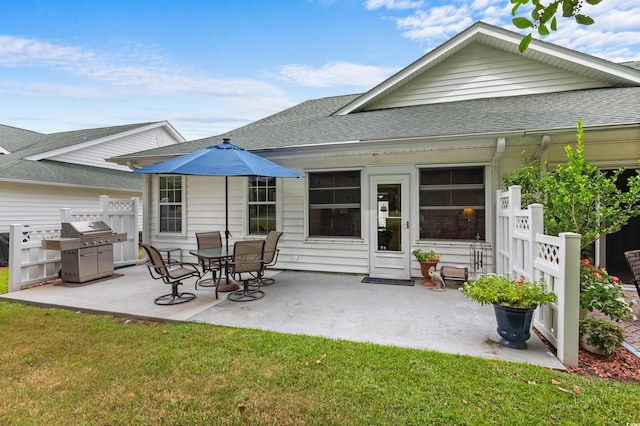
column 29, row 204
column 95, row 155
column 484, row 72
column 205, row 195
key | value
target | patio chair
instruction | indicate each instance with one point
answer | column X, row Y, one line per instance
column 633, row 261
column 170, row 273
column 208, row 240
column 246, row 264
column 270, row 255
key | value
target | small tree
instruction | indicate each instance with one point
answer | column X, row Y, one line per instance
column 577, row 197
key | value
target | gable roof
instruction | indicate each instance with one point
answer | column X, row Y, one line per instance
column 28, row 162
column 539, row 52
column 608, row 95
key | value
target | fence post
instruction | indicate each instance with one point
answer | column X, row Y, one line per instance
column 536, row 226
column 569, row 299
column 65, row 215
column 15, row 257
column 104, row 208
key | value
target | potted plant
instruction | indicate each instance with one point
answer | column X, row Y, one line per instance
column 427, row 259
column 600, row 336
column 514, row 301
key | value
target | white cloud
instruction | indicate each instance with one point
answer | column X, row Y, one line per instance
column 47, row 90
column 334, row 74
column 393, row 4
column 130, row 66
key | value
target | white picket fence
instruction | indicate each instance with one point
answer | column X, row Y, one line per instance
column 29, row 263
column 522, row 250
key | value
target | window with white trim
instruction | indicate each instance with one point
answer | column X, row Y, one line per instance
column 335, row 204
column 452, row 203
column 171, row 200
column 262, row 205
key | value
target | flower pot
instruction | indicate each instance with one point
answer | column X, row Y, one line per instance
column 424, row 268
column 584, row 342
column 513, row 325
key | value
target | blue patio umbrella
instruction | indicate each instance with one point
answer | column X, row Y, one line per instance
column 224, row 159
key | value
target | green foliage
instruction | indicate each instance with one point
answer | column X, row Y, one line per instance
column 602, row 292
column 577, row 197
column 543, row 16
column 4, row 280
column 422, row 256
column 602, row 334
column 504, row 290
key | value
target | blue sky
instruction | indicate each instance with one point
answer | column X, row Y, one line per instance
column 208, row 66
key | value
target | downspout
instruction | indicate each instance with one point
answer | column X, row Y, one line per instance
column 542, row 149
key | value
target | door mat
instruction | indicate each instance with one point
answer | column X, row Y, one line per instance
column 388, row 281
column 99, row 280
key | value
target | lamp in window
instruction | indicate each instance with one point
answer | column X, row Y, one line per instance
column 468, row 213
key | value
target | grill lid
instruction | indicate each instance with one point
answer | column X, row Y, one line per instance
column 80, row 229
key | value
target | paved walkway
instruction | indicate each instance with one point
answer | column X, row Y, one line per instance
column 631, row 329
column 328, row 305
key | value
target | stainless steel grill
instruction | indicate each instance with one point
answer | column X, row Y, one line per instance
column 86, row 250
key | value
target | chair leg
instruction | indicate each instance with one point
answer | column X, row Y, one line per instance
column 246, row 294
column 637, row 284
column 174, row 298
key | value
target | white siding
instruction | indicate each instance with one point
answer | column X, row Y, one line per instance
column 483, row 72
column 32, row 205
column 95, row 155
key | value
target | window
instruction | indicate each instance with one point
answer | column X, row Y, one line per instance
column 452, row 203
column 170, row 203
column 334, row 204
column 262, row 205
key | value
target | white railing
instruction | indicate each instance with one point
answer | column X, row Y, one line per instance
column 522, row 250
column 29, row 263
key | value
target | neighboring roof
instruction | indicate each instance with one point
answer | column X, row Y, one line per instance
column 27, row 161
column 67, row 174
column 13, row 139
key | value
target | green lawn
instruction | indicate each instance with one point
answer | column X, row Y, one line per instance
column 62, row 367
column 4, row 280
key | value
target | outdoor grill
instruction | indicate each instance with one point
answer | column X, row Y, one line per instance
column 86, row 250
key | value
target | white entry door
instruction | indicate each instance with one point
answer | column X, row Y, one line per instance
column 389, row 235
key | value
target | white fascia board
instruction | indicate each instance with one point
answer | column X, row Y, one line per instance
column 66, row 185
column 71, row 148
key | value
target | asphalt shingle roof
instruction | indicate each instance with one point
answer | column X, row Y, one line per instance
column 26, row 143
column 312, row 122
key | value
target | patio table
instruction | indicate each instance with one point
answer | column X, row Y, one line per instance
column 220, row 254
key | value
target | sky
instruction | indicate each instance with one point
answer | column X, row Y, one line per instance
column 210, row 66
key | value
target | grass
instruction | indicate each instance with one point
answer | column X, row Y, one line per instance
column 4, row 280
column 62, row 367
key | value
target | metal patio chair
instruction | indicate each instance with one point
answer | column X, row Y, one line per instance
column 170, row 273
column 246, row 264
column 206, row 240
column 270, row 255
column 633, row 261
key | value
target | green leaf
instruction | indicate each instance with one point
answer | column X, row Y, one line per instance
column 567, row 8
column 543, row 30
column 554, row 24
column 522, row 23
column 524, row 43
column 593, row 2
column 584, row 19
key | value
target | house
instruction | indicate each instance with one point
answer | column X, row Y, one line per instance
column 414, row 162
column 42, row 173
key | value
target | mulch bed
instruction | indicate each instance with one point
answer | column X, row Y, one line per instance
column 622, row 365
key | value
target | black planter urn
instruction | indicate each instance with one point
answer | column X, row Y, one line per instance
column 513, row 325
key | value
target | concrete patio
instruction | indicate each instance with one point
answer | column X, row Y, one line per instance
column 316, row 304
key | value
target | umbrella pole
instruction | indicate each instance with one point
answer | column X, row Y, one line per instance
column 226, row 286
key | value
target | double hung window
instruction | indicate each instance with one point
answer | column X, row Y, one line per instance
column 171, row 199
column 262, row 205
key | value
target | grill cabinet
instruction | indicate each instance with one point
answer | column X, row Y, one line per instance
column 86, row 250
